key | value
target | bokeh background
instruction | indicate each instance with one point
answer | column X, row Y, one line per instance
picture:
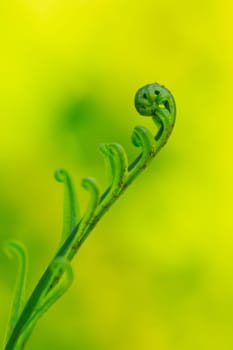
column 157, row 271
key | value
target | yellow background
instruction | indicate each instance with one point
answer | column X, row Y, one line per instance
column 156, row 273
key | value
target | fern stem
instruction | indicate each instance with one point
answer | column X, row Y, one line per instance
column 151, row 100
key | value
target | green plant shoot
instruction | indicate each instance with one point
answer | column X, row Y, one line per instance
column 152, row 100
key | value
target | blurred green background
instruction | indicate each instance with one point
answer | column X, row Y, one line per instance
column 156, row 273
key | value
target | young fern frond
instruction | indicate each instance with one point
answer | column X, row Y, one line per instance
column 90, row 185
column 151, row 100
column 71, row 212
column 143, row 138
column 156, row 101
column 118, row 161
column 50, row 295
column 14, row 248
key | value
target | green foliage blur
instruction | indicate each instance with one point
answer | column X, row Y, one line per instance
column 157, row 271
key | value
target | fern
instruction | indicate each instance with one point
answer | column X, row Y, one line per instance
column 151, row 100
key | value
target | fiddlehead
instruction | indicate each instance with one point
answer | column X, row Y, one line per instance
column 118, row 161
column 151, row 100
column 156, row 100
column 71, row 214
column 143, row 138
column 14, row 248
column 91, row 186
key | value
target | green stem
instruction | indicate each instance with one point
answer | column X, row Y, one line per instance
column 151, row 100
